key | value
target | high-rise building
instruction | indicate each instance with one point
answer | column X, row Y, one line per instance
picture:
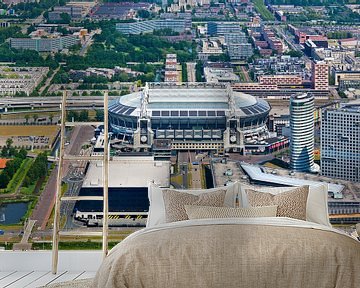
column 340, row 142
column 320, row 75
column 302, row 132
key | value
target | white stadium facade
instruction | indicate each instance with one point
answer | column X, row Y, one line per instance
column 192, row 116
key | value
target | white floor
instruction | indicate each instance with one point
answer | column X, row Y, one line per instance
column 33, row 268
column 32, row 279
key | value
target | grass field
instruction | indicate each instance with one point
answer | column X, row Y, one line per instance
column 261, row 8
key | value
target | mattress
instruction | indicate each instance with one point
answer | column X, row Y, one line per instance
column 234, row 252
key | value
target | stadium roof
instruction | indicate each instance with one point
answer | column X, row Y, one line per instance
column 189, row 97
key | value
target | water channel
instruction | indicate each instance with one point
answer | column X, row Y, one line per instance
column 11, row 213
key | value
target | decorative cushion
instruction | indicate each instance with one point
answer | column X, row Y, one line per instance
column 290, row 204
column 201, row 212
column 317, row 203
column 175, row 202
column 156, row 213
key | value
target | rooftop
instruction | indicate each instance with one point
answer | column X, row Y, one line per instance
column 187, row 97
column 257, row 174
column 3, row 162
column 129, row 168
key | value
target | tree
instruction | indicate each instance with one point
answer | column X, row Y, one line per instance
column 65, row 18
column 294, row 53
column 123, row 77
column 35, row 117
column 143, row 13
column 84, row 116
column 22, row 153
column 4, row 179
column 9, row 142
column 51, row 117
column 4, row 152
column 99, row 115
column 27, row 118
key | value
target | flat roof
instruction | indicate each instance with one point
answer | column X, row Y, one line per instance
column 129, row 171
column 256, row 174
column 133, row 199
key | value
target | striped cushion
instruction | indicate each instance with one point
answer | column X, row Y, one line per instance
column 201, row 212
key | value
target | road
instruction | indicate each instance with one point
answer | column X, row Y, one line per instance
column 246, row 74
column 46, row 201
column 35, row 21
column 183, row 164
column 28, row 229
column 74, row 178
column 48, row 80
column 195, row 171
column 190, row 66
column 88, row 42
column 287, row 39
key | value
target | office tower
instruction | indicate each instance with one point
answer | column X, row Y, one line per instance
column 302, row 132
column 340, row 142
column 320, row 75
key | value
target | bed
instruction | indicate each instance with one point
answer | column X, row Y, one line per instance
column 233, row 252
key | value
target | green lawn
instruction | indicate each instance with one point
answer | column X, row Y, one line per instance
column 28, row 190
column 261, row 8
column 18, row 177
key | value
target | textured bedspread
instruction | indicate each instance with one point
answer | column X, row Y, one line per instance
column 274, row 253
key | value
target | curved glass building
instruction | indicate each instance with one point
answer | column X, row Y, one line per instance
column 302, row 132
column 189, row 116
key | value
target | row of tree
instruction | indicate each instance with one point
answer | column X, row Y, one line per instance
column 81, row 116
column 37, row 170
column 8, row 151
column 339, row 35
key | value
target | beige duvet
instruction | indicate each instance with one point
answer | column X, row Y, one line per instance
column 267, row 252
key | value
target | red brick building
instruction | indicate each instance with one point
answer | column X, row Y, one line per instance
column 320, row 75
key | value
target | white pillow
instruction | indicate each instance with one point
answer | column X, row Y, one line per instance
column 156, row 213
column 317, row 202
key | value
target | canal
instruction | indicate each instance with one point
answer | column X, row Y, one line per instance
column 11, row 213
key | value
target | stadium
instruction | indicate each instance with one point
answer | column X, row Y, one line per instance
column 190, row 116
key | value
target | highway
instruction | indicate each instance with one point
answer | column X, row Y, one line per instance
column 51, row 102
